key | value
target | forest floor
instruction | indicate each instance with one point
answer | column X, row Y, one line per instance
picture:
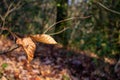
column 53, row 63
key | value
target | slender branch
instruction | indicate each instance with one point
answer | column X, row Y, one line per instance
column 13, row 34
column 117, row 65
column 59, row 31
column 8, row 11
column 15, row 7
column 11, row 10
column 10, row 49
column 2, row 25
column 10, row 5
column 1, row 17
column 73, row 32
column 72, row 18
column 103, row 6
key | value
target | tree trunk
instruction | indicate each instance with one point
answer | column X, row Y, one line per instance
column 61, row 15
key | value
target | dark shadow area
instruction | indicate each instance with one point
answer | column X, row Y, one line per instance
column 78, row 65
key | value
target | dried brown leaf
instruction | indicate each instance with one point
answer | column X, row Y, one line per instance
column 28, row 45
column 43, row 38
column 38, row 78
column 3, row 78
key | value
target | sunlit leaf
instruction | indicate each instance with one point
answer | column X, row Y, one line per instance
column 44, row 38
column 28, row 45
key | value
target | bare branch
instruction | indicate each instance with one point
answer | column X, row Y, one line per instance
column 59, row 31
column 72, row 18
column 9, row 10
column 13, row 9
column 103, row 6
column 1, row 17
column 117, row 66
column 10, row 49
column 13, row 34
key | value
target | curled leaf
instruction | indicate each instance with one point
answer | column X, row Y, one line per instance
column 43, row 38
column 28, row 45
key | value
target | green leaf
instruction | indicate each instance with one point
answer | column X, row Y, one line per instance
column 65, row 77
column 4, row 65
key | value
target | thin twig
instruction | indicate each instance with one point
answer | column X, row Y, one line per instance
column 14, row 35
column 73, row 32
column 15, row 7
column 117, row 66
column 10, row 49
column 113, row 11
column 13, row 47
column 1, row 17
column 4, row 17
column 9, row 10
column 72, row 18
column 59, row 31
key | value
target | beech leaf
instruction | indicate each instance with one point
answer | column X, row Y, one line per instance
column 43, row 38
column 28, row 45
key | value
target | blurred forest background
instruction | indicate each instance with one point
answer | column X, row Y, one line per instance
column 98, row 33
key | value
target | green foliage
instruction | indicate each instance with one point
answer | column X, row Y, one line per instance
column 100, row 33
column 4, row 65
column 65, row 77
column 31, row 17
